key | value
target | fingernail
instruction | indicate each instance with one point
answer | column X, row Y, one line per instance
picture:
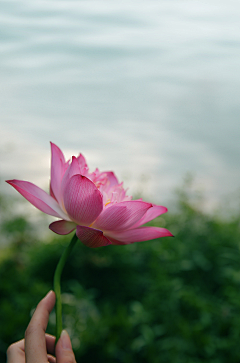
column 49, row 293
column 65, row 339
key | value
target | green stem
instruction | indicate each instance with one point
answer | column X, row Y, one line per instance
column 57, row 286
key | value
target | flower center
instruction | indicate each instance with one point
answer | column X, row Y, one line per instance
column 108, row 201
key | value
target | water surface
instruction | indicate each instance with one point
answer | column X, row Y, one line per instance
column 149, row 89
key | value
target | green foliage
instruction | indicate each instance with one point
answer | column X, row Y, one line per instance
column 169, row 300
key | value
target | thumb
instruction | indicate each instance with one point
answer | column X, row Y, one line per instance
column 63, row 350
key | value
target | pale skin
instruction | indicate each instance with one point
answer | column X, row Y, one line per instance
column 38, row 346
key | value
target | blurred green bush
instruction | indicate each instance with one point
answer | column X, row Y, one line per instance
column 173, row 300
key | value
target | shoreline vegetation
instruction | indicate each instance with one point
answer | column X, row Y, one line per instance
column 169, row 300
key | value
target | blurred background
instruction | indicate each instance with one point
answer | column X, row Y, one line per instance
column 149, row 89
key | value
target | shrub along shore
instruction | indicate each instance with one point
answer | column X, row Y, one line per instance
column 168, row 300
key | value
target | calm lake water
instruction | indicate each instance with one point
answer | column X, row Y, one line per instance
column 149, row 89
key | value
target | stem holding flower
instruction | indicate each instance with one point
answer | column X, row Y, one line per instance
column 57, row 285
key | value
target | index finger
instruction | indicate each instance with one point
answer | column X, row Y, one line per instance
column 35, row 342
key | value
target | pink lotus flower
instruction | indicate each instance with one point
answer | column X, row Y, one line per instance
column 95, row 204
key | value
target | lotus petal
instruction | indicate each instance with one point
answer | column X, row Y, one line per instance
column 82, row 200
column 121, row 216
column 73, row 169
column 58, row 167
column 39, row 198
column 62, row 227
column 151, row 213
column 111, row 178
column 82, row 163
column 92, row 237
column 137, row 235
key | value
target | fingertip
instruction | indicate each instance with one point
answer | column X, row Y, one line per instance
column 51, row 358
column 50, row 298
column 50, row 293
column 65, row 340
column 64, row 350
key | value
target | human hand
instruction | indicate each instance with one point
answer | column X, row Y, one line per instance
column 39, row 347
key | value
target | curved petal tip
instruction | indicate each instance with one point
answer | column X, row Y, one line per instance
column 92, row 237
column 62, row 227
